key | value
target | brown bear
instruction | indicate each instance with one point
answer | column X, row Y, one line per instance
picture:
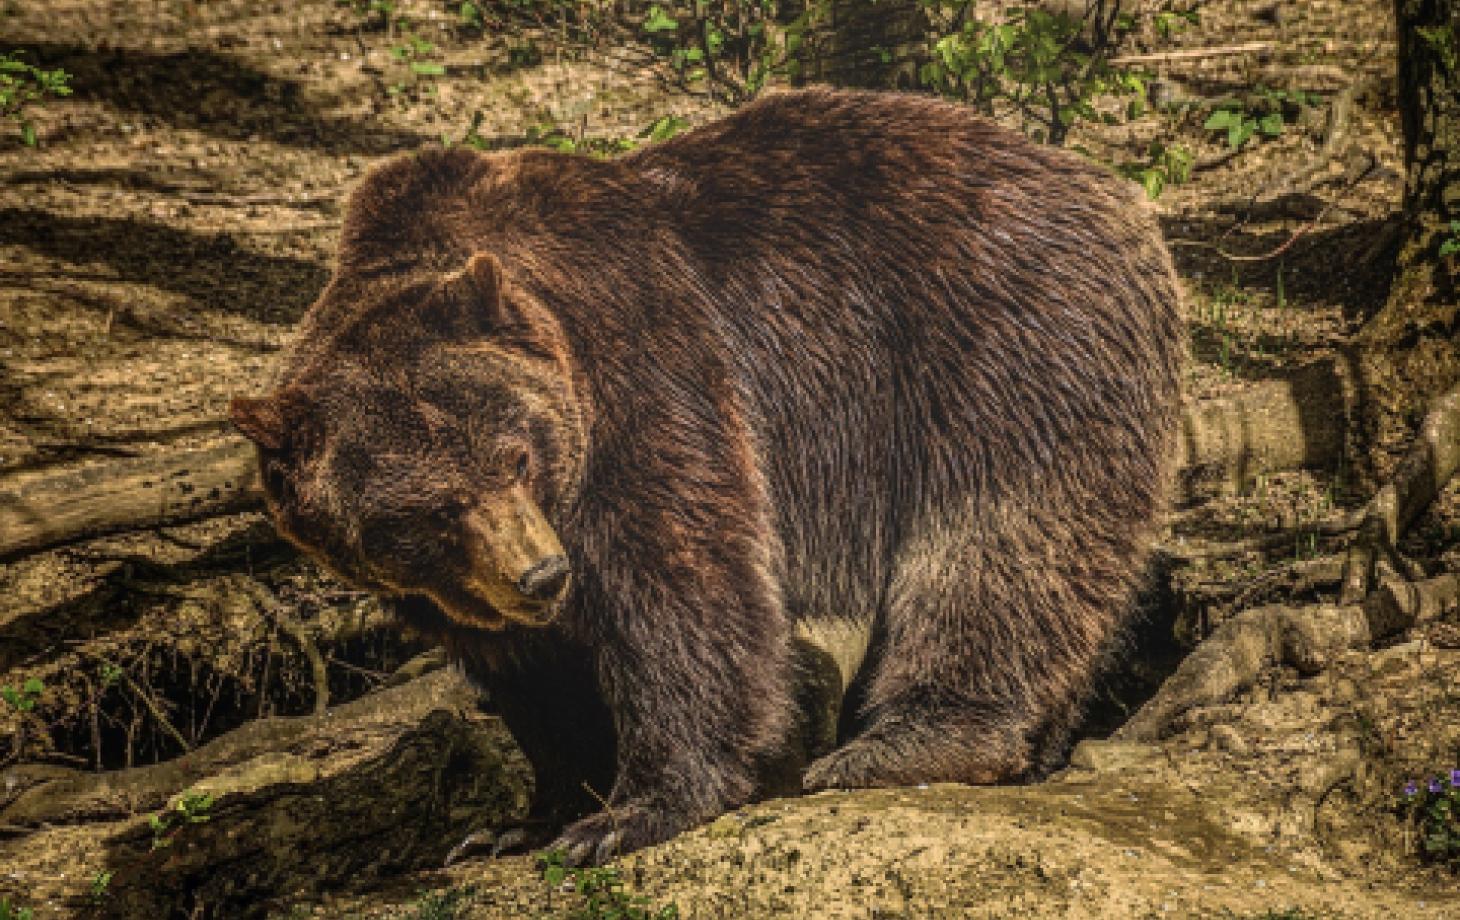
column 862, row 370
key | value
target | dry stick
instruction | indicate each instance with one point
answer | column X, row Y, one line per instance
column 272, row 609
column 1297, row 234
column 1191, row 54
column 149, row 702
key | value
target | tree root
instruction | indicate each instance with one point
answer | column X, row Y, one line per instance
column 1380, row 593
column 1425, row 470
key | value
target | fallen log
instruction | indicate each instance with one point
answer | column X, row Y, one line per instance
column 294, row 806
column 49, row 510
column 1287, row 423
column 1298, row 421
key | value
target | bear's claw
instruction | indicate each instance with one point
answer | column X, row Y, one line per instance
column 605, row 836
column 492, row 843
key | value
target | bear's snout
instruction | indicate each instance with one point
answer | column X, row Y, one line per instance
column 546, row 580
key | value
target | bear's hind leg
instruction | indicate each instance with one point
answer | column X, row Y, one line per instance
column 989, row 642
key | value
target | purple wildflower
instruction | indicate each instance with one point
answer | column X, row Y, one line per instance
column 1435, row 785
column 1454, row 779
column 1411, row 788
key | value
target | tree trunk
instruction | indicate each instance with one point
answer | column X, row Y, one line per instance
column 1409, row 349
column 863, row 43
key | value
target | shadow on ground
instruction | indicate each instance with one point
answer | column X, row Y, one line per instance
column 218, row 95
column 213, row 269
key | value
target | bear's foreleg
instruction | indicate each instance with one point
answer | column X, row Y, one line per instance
column 695, row 666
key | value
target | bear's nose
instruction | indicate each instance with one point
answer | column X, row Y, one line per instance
column 545, row 580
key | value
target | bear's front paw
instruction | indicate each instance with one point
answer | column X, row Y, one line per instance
column 612, row 833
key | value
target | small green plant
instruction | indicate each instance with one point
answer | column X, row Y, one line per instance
column 1441, row 41
column 192, row 808
column 1451, row 244
column 1263, row 112
column 731, row 48
column 443, row 905
column 22, row 85
column 10, row 911
column 24, row 699
column 550, row 135
column 96, row 893
column 602, row 891
column 1050, row 67
column 470, row 15
column 1432, row 808
column 414, row 52
column 663, row 128
column 1163, row 166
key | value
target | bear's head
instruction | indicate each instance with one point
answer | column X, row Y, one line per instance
column 423, row 446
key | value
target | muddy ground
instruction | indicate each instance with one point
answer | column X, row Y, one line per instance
column 179, row 215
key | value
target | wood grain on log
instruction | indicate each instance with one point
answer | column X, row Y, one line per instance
column 58, row 508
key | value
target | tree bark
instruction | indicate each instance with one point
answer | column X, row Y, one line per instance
column 1409, row 351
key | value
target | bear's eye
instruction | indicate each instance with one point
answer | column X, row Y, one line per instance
column 521, row 470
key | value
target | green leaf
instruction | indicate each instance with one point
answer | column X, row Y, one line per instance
column 659, row 21
column 27, row 133
column 1238, row 134
column 33, row 686
column 427, row 68
column 1222, row 119
column 1153, row 182
column 1449, row 248
column 1271, row 125
column 714, row 40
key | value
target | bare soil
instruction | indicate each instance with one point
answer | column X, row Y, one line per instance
column 180, row 214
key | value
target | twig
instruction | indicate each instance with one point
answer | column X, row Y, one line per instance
column 1297, row 234
column 271, row 608
column 1191, row 54
column 147, row 700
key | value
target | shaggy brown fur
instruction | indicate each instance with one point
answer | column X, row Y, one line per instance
column 841, row 363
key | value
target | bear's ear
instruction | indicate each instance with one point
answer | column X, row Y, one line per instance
column 267, row 421
column 478, row 291
column 484, row 273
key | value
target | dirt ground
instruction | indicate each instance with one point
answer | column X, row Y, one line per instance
column 180, row 214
